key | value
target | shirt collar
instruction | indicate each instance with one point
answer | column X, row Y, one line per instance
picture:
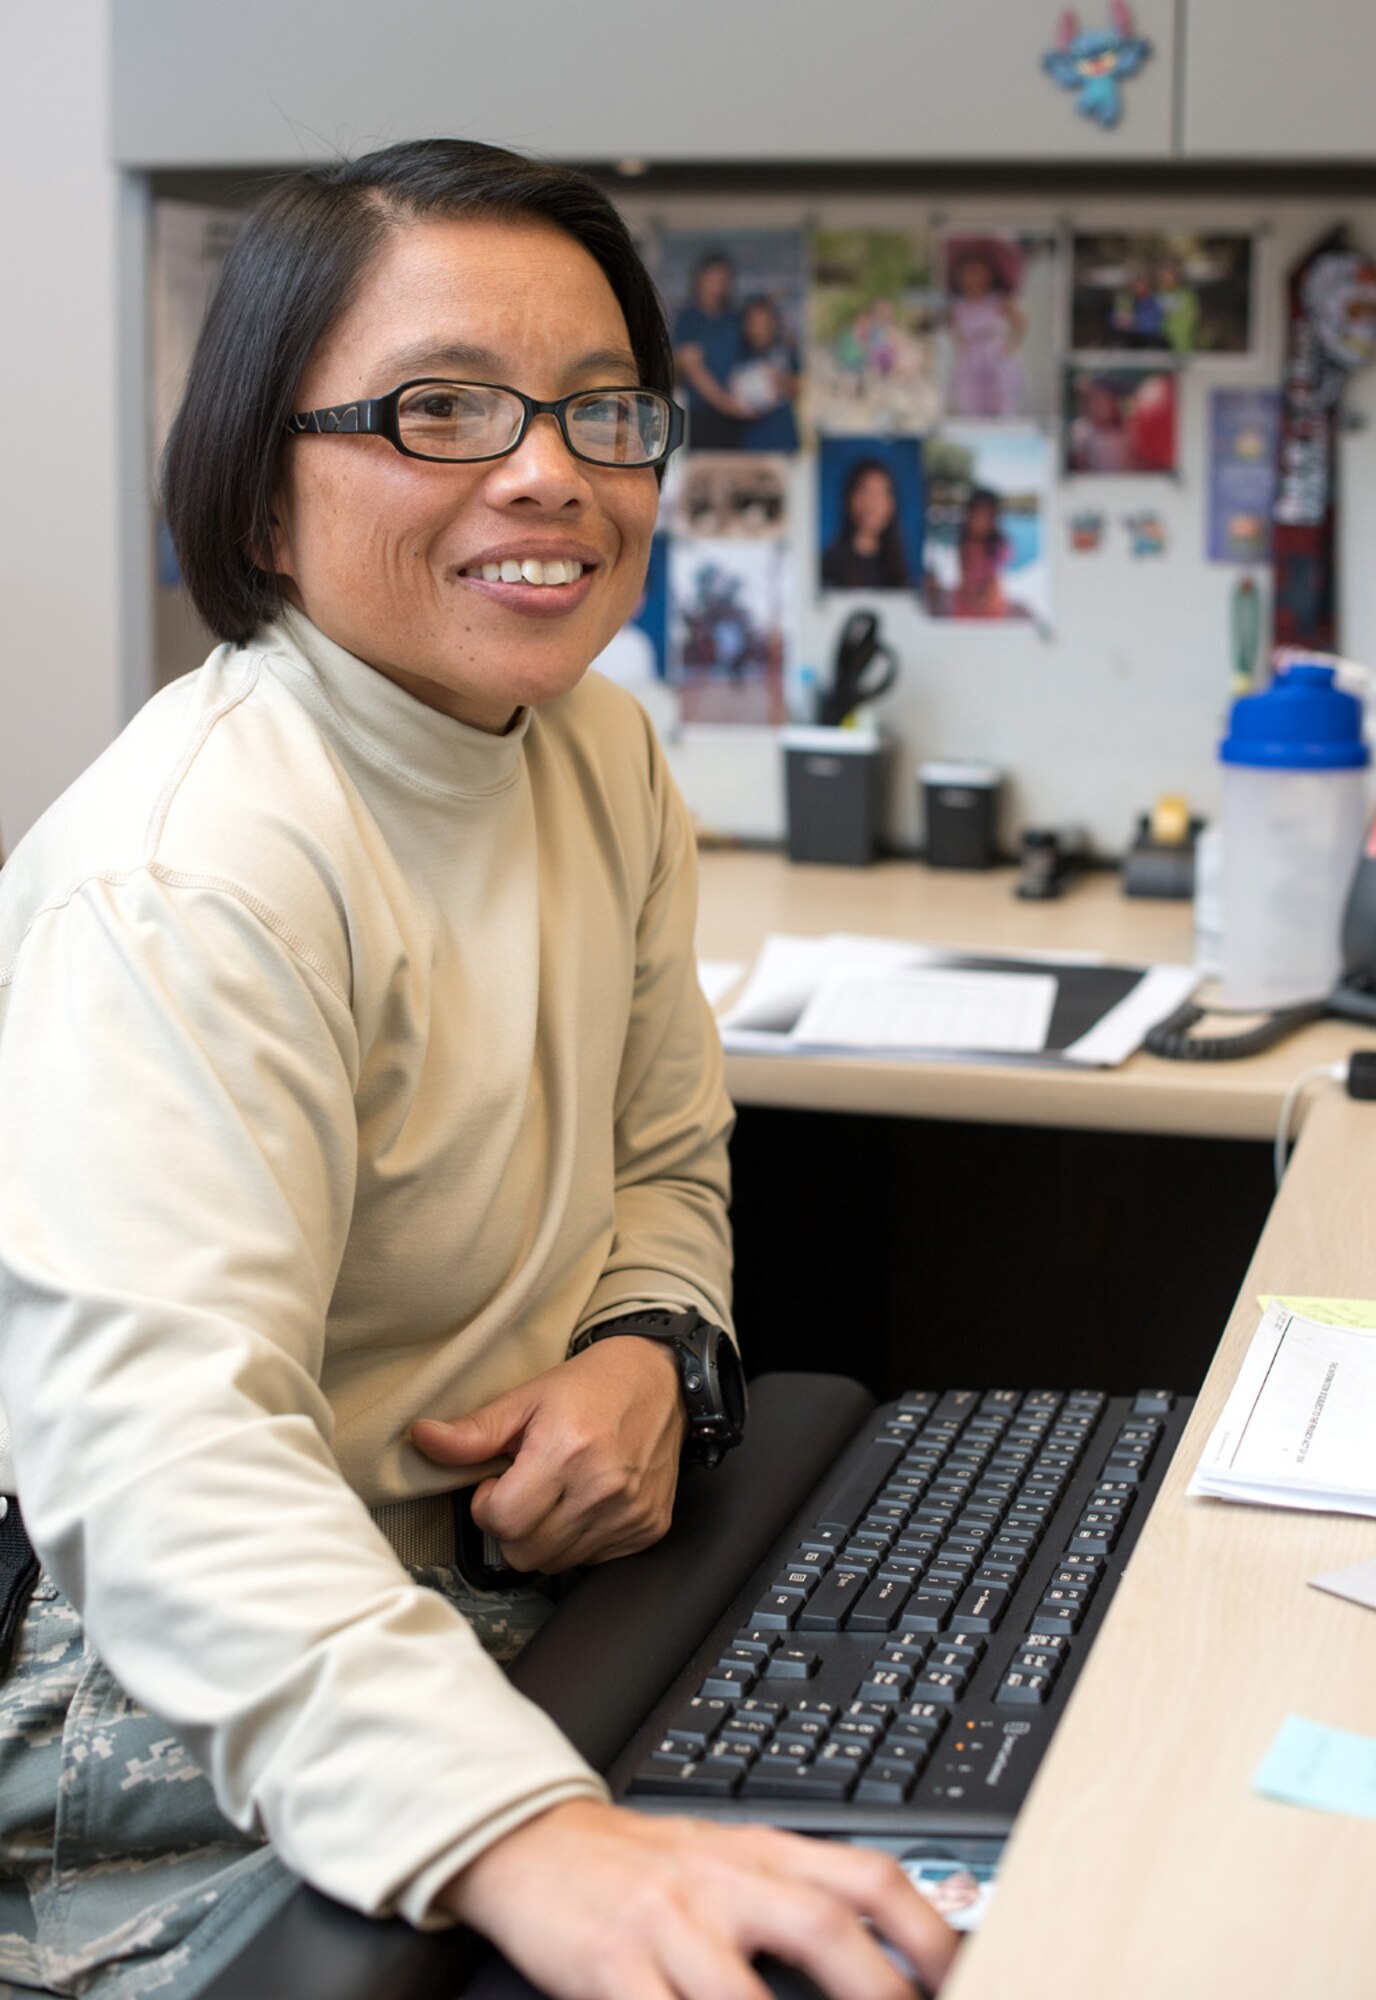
column 394, row 729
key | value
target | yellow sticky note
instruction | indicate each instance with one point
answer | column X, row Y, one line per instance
column 1333, row 1312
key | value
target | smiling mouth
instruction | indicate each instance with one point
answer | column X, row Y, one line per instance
column 530, row 570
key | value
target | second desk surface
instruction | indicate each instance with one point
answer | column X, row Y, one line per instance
column 744, row 895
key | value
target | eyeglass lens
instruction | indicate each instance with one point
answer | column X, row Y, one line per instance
column 474, row 420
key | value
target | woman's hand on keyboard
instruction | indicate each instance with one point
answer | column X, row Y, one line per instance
column 593, row 1902
column 594, row 1445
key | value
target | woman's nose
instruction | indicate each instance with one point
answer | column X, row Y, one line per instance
column 541, row 469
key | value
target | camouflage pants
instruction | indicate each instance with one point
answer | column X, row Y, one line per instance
column 119, row 1877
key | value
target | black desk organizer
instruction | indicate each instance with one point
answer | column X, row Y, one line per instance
column 597, row 1666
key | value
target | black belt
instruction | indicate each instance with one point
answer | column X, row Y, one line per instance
column 18, row 1575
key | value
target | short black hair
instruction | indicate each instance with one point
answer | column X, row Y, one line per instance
column 292, row 271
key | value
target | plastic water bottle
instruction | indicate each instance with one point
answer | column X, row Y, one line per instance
column 1294, row 810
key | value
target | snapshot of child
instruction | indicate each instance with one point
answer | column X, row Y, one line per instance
column 986, row 326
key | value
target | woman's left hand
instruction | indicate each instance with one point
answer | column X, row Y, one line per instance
column 594, row 1447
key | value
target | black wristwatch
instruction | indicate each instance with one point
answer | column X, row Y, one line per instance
column 709, row 1373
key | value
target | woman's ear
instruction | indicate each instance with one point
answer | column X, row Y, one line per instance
column 275, row 557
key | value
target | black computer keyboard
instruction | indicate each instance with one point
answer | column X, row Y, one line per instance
column 898, row 1662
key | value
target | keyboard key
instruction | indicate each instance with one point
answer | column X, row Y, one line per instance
column 862, row 1728
column 809, row 1730
column 1003, row 1573
column 899, row 1569
column 779, row 1611
column 969, row 1643
column 879, row 1608
column 832, row 1781
column 1033, row 1658
column 825, row 1537
column 909, row 1649
column 746, row 1646
column 832, row 1600
column 667, row 1777
column 886, row 1785
column 886, row 1684
column 758, row 1728
column 801, row 1579
column 728, row 1680
column 1024, row 1687
column 953, row 1660
column 1153, row 1403
column 1056, row 1618
column 756, row 1704
column 731, row 1743
column 792, row 1663
column 851, row 1750
column 981, row 1608
column 927, row 1611
column 856, row 1556
column 792, row 1747
column 1094, row 1541
column 940, row 1684
column 1081, row 1574
column 698, row 1721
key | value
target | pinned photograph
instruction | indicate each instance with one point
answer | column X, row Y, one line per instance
column 1120, row 420
column 1147, row 535
column 1244, row 452
column 988, row 493
column 1149, row 293
column 734, row 301
column 1085, row 533
column 1000, row 337
column 870, row 513
column 726, row 494
column 638, row 654
column 730, row 629
column 872, row 353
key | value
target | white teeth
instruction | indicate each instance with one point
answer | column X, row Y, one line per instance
column 530, row 570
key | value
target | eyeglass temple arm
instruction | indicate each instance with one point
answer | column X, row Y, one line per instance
column 357, row 416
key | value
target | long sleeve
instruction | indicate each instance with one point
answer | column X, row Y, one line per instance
column 672, row 1240
column 177, row 1178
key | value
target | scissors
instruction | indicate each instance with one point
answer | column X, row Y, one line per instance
column 860, row 644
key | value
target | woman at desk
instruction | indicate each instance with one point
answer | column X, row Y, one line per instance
column 352, row 1066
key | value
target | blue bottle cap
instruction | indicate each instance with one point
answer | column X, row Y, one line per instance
column 1302, row 723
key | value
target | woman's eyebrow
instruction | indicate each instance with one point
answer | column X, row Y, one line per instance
column 425, row 357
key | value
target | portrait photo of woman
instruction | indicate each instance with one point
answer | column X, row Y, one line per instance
column 871, row 513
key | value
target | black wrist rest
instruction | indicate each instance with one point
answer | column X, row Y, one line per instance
column 597, row 1666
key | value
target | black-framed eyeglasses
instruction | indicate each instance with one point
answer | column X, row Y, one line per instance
column 462, row 422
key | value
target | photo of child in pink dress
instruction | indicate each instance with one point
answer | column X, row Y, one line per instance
column 986, row 326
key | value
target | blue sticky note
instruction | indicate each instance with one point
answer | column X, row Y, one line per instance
column 1309, row 1764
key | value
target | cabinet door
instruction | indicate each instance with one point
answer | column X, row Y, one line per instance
column 1279, row 79
column 730, row 80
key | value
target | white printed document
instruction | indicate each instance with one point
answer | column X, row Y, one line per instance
column 1299, row 1426
column 885, row 997
column 916, row 1009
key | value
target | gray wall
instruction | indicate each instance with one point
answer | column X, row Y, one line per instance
column 60, row 692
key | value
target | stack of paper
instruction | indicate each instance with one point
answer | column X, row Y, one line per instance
column 879, row 996
column 1297, row 1428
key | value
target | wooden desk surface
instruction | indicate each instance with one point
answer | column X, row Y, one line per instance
column 745, row 895
column 1143, row 1864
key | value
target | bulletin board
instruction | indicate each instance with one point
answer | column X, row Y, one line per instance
column 1060, row 406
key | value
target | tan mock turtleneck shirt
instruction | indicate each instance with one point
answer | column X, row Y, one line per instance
column 350, row 1060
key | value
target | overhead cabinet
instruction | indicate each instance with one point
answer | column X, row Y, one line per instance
column 706, row 80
